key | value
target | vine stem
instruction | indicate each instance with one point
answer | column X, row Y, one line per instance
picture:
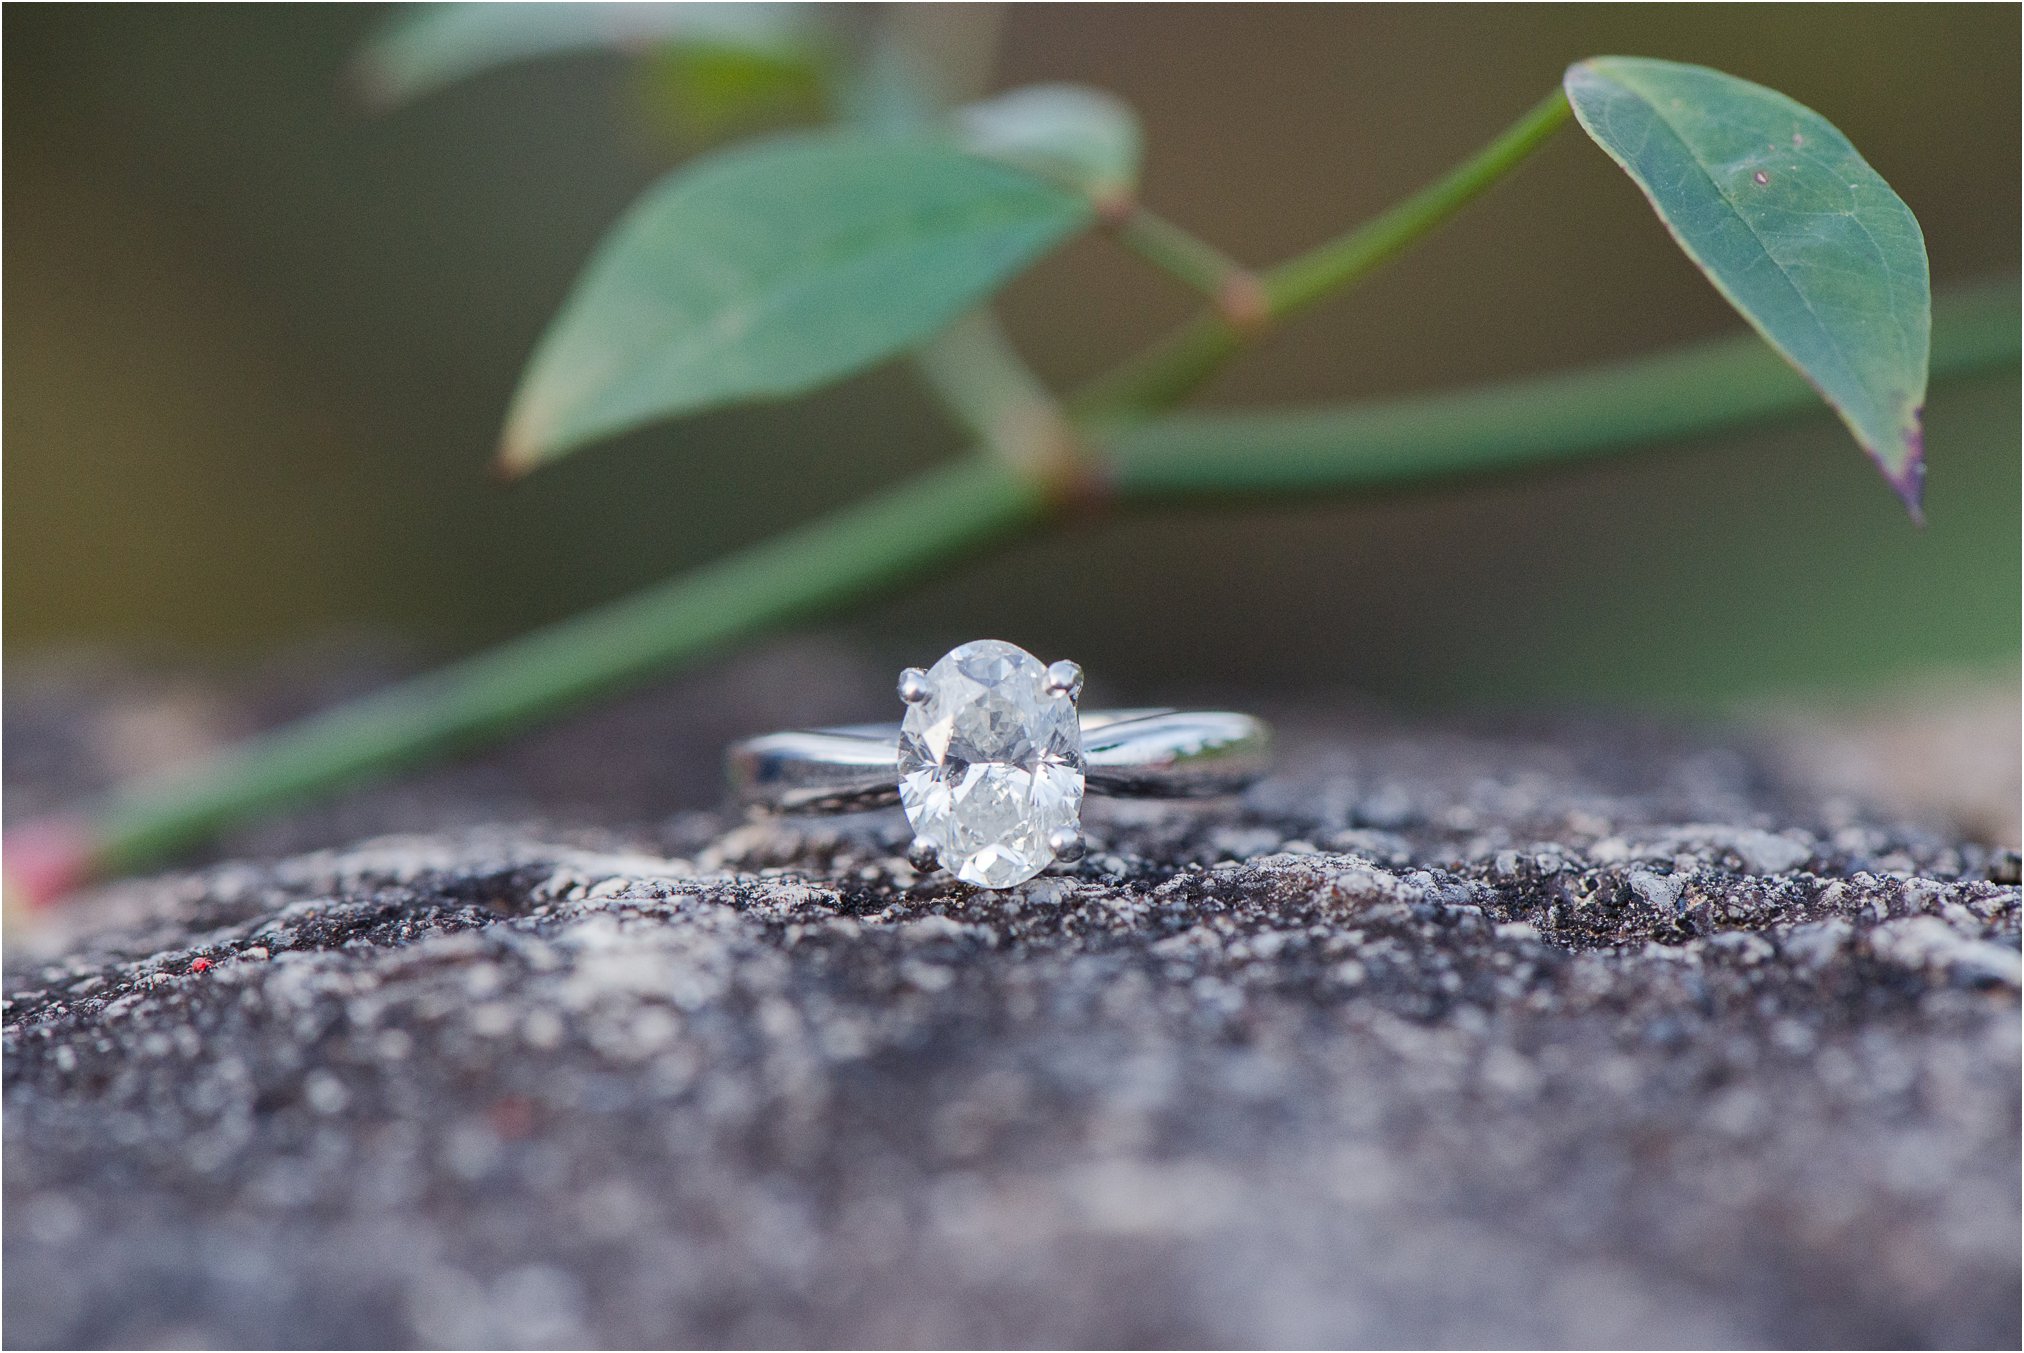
column 1174, row 367
column 1327, row 268
column 1235, row 290
column 1672, row 396
column 980, row 380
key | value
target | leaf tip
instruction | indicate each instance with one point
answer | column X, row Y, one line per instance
column 1578, row 71
column 1908, row 480
column 519, row 451
column 513, row 459
column 528, row 438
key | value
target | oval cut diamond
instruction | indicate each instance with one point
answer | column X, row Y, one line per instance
column 991, row 763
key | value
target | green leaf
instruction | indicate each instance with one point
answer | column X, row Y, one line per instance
column 1791, row 225
column 438, row 44
column 1080, row 137
column 768, row 270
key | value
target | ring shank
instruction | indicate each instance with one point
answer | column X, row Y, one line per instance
column 1128, row 753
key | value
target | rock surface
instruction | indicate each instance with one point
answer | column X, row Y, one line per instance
column 1570, row 1034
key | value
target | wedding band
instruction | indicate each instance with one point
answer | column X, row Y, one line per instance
column 992, row 761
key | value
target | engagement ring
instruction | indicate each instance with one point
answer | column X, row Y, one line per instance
column 992, row 761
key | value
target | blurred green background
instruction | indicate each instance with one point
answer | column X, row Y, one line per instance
column 259, row 343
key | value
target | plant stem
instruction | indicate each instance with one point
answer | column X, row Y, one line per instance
column 863, row 548
column 1689, row 392
column 1329, row 267
column 1187, row 357
column 1183, row 255
column 977, row 375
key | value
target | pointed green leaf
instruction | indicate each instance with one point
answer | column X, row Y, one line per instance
column 768, row 270
column 1791, row 225
column 433, row 45
column 1072, row 134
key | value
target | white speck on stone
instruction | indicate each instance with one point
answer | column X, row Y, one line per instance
column 1610, row 850
column 1265, row 945
column 1928, row 941
column 1816, row 944
column 492, row 1019
column 927, row 976
column 1046, row 892
column 471, row 1150
column 929, row 929
column 326, row 1093
column 1759, row 852
column 56, row 1220
column 653, row 1028
column 1660, row 891
column 1746, row 945
column 1127, row 1197
column 533, row 1306
column 542, row 1028
column 1244, row 843
column 1362, row 884
column 1193, row 940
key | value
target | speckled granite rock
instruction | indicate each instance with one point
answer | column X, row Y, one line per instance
column 1575, row 1034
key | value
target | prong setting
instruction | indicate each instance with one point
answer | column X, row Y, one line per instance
column 1065, row 678
column 1067, row 844
column 913, row 686
column 990, row 763
column 923, row 856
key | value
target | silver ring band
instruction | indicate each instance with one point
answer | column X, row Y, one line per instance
column 993, row 760
column 1128, row 753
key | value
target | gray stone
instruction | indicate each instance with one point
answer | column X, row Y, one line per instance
column 1567, row 1053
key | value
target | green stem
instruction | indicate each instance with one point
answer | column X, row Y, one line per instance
column 1513, row 425
column 977, row 375
column 1173, row 368
column 1162, row 375
column 1191, row 259
column 1329, row 267
column 866, row 547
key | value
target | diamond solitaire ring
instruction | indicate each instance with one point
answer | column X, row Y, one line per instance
column 992, row 760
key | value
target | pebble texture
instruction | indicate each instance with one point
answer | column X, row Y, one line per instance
column 1567, row 1035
